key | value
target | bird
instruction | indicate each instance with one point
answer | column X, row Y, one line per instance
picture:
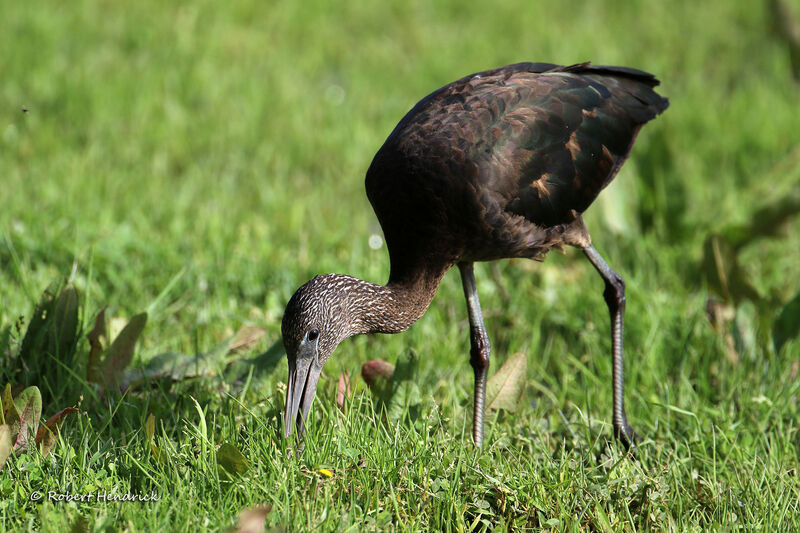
column 498, row 164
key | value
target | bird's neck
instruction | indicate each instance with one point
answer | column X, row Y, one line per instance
column 393, row 307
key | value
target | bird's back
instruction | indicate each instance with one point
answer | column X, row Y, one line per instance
column 493, row 164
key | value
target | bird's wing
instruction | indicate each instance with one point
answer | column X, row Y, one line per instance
column 545, row 139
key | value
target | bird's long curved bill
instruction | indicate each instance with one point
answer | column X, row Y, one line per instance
column 303, row 377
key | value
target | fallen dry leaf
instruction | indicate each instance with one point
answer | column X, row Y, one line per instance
column 343, row 389
column 47, row 435
column 94, row 370
column 252, row 520
column 373, row 371
column 505, row 388
column 5, row 444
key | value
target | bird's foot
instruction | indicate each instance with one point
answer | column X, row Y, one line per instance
column 626, row 435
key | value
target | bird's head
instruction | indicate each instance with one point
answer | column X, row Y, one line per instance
column 316, row 320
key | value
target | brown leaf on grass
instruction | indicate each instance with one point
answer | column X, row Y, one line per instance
column 94, row 370
column 375, row 371
column 54, row 422
column 721, row 315
column 120, row 354
column 343, row 390
column 505, row 388
column 47, row 435
column 252, row 520
column 247, row 337
column 5, row 444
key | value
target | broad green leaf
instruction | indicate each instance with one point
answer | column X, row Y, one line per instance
column 29, row 407
column 395, row 385
column 768, row 221
column 5, row 444
column 47, row 435
column 150, row 431
column 7, row 344
column 79, row 525
column 178, row 366
column 601, row 521
column 120, row 354
column 52, row 330
column 231, row 460
column 404, row 393
column 247, row 337
column 406, row 367
column 65, row 323
column 404, row 400
column 263, row 364
column 34, row 343
column 5, row 399
column 11, row 416
column 202, row 427
column 97, row 336
column 150, row 427
column 787, row 325
column 787, row 28
column 723, row 273
column 504, row 389
column 175, row 367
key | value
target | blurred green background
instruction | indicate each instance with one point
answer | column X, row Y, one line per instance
column 203, row 159
column 233, row 141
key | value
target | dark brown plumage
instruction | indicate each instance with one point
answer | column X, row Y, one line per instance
column 498, row 164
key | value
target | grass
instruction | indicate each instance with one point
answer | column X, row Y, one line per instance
column 201, row 161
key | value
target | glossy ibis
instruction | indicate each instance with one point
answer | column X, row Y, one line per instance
column 498, row 164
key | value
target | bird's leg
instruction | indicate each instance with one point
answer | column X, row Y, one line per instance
column 479, row 349
column 614, row 295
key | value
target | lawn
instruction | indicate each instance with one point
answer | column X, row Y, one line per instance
column 199, row 161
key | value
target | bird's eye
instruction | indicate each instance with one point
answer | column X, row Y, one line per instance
column 313, row 334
